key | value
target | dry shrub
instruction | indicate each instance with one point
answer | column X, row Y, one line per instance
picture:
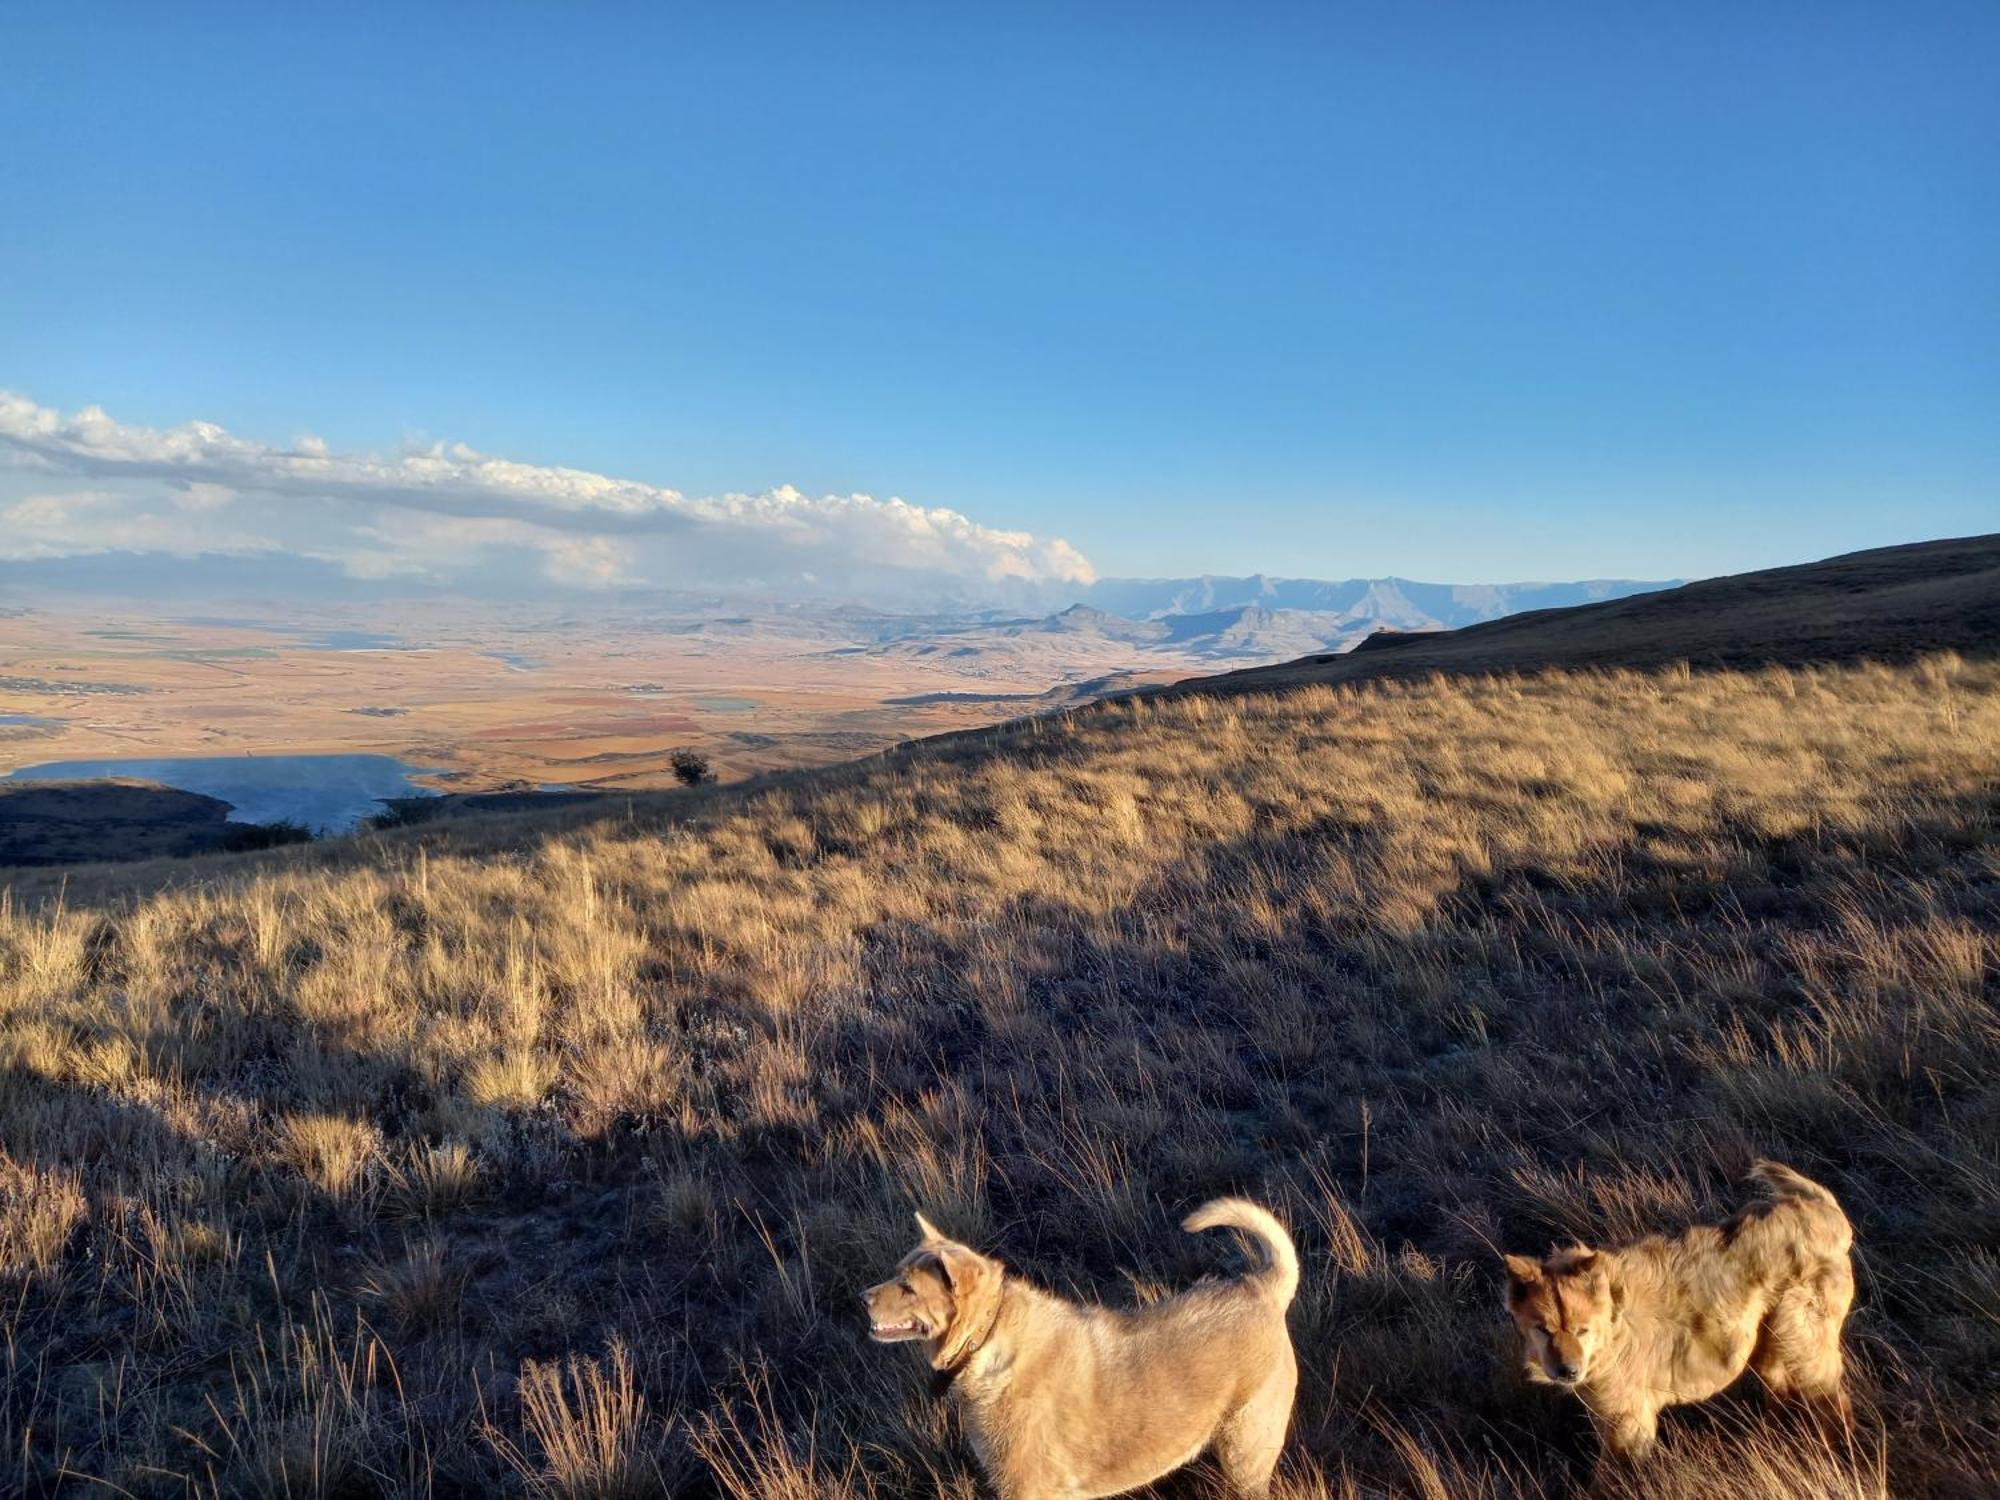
column 515, row 1080
column 419, row 1290
column 303, row 1418
column 755, row 1454
column 40, row 1212
column 1761, row 1461
column 591, row 1434
column 333, row 1153
column 436, row 1180
column 626, row 1079
column 684, row 1205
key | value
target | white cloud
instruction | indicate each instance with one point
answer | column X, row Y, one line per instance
column 444, row 511
column 199, row 495
column 54, row 512
column 109, row 520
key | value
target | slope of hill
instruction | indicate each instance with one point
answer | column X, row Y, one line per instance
column 545, row 1155
column 1891, row 603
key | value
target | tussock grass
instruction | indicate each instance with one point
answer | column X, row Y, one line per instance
column 590, row 1430
column 548, row 1156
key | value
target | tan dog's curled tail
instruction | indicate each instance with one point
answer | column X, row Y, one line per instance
column 1279, row 1275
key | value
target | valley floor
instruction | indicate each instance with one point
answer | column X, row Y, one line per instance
column 477, row 699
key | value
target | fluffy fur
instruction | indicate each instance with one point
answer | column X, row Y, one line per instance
column 1062, row 1402
column 1665, row 1321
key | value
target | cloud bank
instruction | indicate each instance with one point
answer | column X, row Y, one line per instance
column 446, row 515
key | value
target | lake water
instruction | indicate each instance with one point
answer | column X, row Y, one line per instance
column 353, row 640
column 327, row 793
column 312, row 637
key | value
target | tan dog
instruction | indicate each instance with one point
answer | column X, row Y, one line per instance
column 1667, row 1321
column 1062, row 1402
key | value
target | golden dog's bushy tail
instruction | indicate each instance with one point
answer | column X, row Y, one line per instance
column 1780, row 1181
column 1279, row 1275
column 1784, row 1185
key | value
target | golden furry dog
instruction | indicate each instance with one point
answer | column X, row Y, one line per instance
column 1062, row 1402
column 1664, row 1321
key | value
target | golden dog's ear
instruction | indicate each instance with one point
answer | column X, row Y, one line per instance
column 1523, row 1273
column 1588, row 1264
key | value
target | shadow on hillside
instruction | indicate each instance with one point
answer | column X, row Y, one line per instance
column 64, row 823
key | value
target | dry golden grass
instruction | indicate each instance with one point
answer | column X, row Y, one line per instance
column 547, row 1156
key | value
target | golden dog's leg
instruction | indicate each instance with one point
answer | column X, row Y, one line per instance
column 1802, row 1354
column 1631, row 1435
column 1770, row 1363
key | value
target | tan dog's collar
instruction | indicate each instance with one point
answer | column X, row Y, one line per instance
column 945, row 1375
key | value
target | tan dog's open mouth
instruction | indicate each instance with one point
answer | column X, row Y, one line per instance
column 896, row 1333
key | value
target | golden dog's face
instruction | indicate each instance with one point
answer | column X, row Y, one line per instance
column 943, row 1293
column 1564, row 1309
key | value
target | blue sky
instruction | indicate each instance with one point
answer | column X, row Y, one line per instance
column 1465, row 292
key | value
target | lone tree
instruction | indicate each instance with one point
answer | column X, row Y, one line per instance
column 690, row 767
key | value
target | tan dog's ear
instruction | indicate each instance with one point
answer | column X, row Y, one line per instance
column 961, row 1264
column 975, row 1294
column 931, row 1233
column 1523, row 1272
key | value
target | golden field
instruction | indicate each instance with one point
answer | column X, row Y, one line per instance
column 479, row 697
column 548, row 1155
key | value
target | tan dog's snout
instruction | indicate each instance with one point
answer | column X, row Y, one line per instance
column 916, row 1303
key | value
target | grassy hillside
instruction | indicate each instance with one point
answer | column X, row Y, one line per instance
column 548, row 1157
column 1892, row 603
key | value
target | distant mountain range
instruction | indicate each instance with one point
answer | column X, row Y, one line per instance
column 1115, row 623
column 1239, row 619
column 1400, row 603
